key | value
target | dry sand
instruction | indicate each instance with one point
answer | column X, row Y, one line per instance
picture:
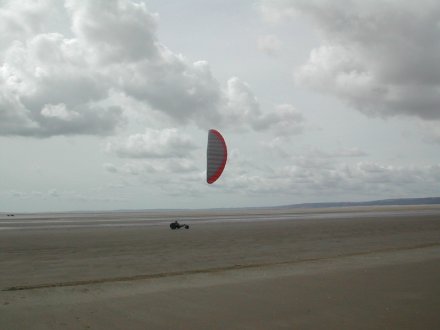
column 357, row 272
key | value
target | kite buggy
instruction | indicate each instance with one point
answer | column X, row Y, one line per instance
column 216, row 157
column 177, row 225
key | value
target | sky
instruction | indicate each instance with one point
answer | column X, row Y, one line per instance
column 106, row 105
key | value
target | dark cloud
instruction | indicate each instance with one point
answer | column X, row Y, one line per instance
column 379, row 56
column 115, row 31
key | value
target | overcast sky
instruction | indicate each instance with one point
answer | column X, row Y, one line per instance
column 106, row 104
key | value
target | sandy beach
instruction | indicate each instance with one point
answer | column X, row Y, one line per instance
column 326, row 269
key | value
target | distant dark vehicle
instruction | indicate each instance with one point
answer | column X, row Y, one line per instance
column 177, row 225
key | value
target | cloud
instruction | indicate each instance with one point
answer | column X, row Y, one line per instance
column 59, row 73
column 42, row 197
column 314, row 178
column 185, row 92
column 324, row 175
column 51, row 193
column 379, row 56
column 21, row 20
column 169, row 176
column 283, row 120
column 55, row 83
column 49, row 89
column 154, row 167
column 430, row 131
column 243, row 109
column 114, row 31
column 167, row 143
column 268, row 44
column 58, row 111
column 276, row 11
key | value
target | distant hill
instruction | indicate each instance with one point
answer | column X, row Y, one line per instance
column 381, row 202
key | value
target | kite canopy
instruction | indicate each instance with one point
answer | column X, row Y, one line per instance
column 216, row 156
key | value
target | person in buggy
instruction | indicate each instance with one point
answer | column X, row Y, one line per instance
column 177, row 225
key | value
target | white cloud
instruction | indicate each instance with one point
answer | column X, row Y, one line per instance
column 430, row 131
column 114, row 31
column 48, row 90
column 276, row 11
column 113, row 48
column 242, row 105
column 243, row 110
column 67, row 197
column 56, row 81
column 313, row 178
column 269, row 44
column 154, row 167
column 110, row 168
column 59, row 111
column 379, row 56
column 24, row 19
column 167, row 143
column 283, row 120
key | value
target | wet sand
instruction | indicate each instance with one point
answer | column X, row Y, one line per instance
column 363, row 271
